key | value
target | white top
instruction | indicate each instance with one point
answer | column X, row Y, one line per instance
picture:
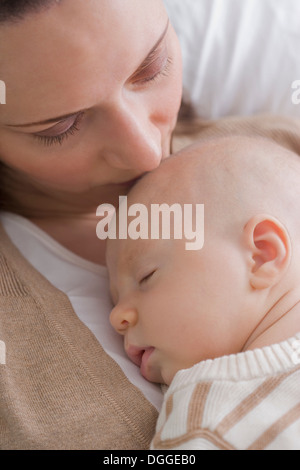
column 247, row 401
column 87, row 286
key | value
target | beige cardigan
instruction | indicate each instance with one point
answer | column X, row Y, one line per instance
column 58, row 388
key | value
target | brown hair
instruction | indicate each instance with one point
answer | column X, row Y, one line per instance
column 15, row 10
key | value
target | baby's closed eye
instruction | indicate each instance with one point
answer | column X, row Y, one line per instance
column 147, row 277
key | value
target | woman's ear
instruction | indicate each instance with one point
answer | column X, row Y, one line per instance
column 270, row 249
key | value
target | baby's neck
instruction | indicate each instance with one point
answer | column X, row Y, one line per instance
column 281, row 322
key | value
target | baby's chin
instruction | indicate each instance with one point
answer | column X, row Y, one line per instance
column 156, row 368
column 160, row 376
column 152, row 372
column 168, row 377
column 152, row 375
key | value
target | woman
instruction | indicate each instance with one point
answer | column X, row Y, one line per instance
column 93, row 91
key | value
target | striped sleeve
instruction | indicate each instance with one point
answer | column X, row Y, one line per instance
column 258, row 414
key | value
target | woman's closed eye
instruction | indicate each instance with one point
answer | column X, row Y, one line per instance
column 61, row 131
column 154, row 71
column 155, row 65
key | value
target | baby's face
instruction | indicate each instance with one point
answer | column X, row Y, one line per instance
column 176, row 307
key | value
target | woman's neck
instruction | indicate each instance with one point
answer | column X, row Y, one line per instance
column 76, row 233
column 70, row 218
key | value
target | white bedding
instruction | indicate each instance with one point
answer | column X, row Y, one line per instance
column 239, row 56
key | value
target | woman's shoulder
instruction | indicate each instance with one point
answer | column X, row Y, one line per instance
column 11, row 284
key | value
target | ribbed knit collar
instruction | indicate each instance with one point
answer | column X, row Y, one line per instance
column 258, row 363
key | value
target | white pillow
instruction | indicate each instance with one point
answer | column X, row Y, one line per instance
column 239, row 56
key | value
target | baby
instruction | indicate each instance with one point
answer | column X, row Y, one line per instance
column 220, row 325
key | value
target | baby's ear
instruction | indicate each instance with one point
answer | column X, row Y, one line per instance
column 270, row 250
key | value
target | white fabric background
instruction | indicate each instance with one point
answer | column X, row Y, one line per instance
column 239, row 56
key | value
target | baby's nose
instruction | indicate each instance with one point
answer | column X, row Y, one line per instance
column 122, row 318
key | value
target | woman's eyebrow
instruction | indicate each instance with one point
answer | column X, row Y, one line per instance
column 66, row 116
column 153, row 50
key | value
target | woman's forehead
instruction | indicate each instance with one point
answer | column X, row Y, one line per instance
column 75, row 52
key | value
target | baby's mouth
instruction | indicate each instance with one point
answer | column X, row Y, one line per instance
column 139, row 356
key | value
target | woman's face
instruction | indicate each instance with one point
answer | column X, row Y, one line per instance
column 93, row 92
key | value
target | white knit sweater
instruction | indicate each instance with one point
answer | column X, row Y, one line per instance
column 248, row 401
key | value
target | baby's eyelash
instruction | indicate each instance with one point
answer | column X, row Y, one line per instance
column 147, row 277
column 59, row 139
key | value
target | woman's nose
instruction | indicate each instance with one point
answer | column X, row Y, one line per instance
column 133, row 141
column 121, row 318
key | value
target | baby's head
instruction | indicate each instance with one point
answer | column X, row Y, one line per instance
column 177, row 306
